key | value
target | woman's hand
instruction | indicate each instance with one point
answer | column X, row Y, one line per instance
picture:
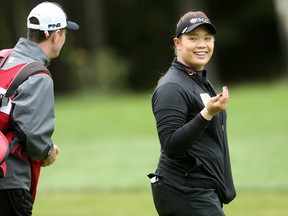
column 216, row 104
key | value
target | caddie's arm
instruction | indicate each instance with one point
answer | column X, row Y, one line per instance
column 33, row 115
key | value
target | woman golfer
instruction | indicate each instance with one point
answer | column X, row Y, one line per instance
column 193, row 176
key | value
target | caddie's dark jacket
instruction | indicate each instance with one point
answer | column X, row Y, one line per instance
column 192, row 148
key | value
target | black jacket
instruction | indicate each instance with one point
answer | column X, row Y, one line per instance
column 191, row 147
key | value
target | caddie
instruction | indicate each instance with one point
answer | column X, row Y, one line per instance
column 32, row 109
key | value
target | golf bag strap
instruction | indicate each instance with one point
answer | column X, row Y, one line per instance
column 26, row 71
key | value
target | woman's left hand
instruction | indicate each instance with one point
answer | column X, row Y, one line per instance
column 216, row 104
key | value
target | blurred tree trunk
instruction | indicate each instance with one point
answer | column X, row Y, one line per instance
column 201, row 5
column 13, row 15
column 94, row 24
column 19, row 15
column 13, row 20
column 281, row 7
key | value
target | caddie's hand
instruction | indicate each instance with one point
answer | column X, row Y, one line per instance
column 216, row 104
column 50, row 159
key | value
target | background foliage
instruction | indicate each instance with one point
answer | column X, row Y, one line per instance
column 127, row 44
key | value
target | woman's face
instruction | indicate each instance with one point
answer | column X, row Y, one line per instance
column 195, row 48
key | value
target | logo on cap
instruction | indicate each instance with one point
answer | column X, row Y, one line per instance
column 199, row 19
column 54, row 25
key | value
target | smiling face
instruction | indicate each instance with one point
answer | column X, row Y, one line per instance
column 195, row 48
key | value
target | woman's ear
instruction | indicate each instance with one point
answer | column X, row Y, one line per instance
column 177, row 44
column 176, row 41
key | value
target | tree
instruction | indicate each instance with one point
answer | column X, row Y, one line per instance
column 138, row 36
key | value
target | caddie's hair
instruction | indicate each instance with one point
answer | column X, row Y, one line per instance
column 36, row 35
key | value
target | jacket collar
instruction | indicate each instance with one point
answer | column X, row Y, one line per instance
column 30, row 51
column 190, row 71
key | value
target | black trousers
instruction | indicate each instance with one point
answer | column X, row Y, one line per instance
column 15, row 202
column 172, row 198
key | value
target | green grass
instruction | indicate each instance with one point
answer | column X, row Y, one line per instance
column 258, row 135
column 89, row 204
column 140, row 203
column 109, row 143
column 259, row 203
column 106, row 143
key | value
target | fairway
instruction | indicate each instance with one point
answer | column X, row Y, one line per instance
column 109, row 143
column 131, row 203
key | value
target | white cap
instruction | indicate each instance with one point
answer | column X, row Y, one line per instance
column 51, row 16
